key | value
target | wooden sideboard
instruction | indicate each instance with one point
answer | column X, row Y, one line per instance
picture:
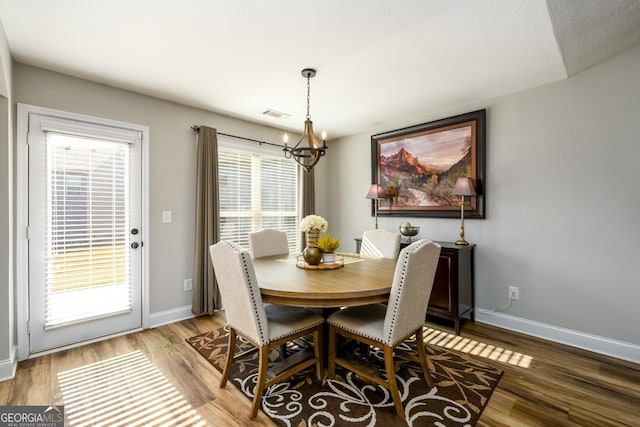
column 452, row 297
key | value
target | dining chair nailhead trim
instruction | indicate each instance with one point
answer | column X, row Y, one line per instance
column 243, row 257
column 300, row 329
column 371, row 337
column 354, row 331
column 396, row 302
column 253, row 298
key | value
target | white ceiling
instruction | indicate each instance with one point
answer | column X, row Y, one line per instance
column 379, row 62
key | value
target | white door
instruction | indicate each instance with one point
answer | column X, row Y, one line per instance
column 84, row 231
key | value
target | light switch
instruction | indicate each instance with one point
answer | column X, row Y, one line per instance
column 166, row 217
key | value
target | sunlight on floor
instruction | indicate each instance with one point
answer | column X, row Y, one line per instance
column 126, row 390
column 466, row 345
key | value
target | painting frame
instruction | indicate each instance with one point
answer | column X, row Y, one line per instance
column 414, row 189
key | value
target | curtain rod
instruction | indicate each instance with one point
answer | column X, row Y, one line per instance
column 196, row 129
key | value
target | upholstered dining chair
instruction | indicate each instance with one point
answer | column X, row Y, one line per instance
column 380, row 243
column 387, row 326
column 268, row 242
column 265, row 326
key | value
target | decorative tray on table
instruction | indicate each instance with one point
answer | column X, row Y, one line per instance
column 300, row 263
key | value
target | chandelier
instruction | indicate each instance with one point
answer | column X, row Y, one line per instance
column 306, row 155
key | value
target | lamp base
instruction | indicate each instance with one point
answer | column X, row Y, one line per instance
column 375, row 208
column 461, row 241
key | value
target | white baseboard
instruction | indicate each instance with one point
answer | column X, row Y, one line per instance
column 610, row 347
column 170, row 316
column 8, row 366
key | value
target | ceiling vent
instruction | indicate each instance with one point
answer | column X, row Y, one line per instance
column 275, row 114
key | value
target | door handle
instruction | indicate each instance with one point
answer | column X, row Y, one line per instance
column 134, row 245
column 134, row 231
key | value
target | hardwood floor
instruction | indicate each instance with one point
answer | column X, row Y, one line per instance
column 154, row 376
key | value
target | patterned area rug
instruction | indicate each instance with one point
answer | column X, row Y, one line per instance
column 463, row 388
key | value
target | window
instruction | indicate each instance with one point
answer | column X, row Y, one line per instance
column 86, row 228
column 258, row 189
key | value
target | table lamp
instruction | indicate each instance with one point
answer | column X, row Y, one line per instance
column 463, row 187
column 375, row 193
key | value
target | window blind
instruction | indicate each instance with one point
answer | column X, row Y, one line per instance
column 258, row 189
column 87, row 231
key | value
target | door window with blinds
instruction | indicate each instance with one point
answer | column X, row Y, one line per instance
column 87, row 270
column 258, row 189
column 84, row 232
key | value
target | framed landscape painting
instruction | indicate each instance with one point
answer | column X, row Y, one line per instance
column 417, row 167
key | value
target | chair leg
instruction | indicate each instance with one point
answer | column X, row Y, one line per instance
column 365, row 349
column 422, row 355
column 318, row 351
column 393, row 385
column 331, row 353
column 231, row 349
column 262, row 378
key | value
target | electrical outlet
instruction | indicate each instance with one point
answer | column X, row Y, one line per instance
column 188, row 285
column 514, row 292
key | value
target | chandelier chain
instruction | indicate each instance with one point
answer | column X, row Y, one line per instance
column 308, row 92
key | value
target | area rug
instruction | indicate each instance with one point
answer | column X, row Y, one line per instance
column 463, row 388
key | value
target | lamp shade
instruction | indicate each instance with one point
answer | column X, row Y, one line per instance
column 375, row 192
column 464, row 187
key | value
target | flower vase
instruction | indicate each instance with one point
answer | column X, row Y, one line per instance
column 312, row 254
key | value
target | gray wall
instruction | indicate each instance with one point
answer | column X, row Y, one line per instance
column 7, row 337
column 5, row 64
column 563, row 197
column 172, row 151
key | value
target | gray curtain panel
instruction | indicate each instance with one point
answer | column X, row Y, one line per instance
column 206, row 296
column 307, row 197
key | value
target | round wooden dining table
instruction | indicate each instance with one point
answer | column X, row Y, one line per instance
column 360, row 281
